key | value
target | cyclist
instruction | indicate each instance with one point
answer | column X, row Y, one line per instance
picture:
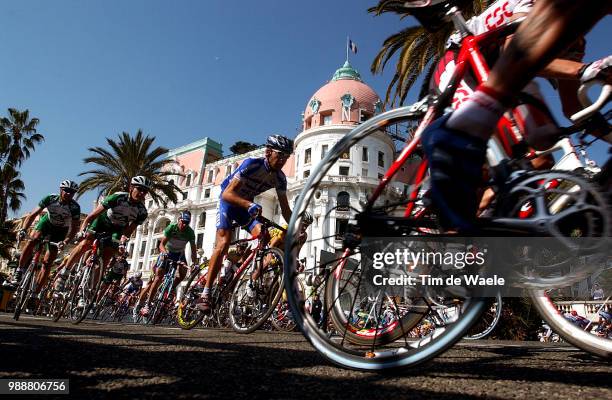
column 171, row 248
column 59, row 222
column 132, row 286
column 253, row 177
column 456, row 143
column 277, row 236
column 118, row 215
column 117, row 271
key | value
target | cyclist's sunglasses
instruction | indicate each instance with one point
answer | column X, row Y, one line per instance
column 142, row 189
column 281, row 155
column 69, row 191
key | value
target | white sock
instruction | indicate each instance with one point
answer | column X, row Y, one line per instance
column 477, row 116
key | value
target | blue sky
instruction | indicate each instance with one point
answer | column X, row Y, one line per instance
column 180, row 70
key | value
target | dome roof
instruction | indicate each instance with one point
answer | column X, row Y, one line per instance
column 345, row 99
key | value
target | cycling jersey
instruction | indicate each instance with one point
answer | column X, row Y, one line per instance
column 134, row 285
column 256, row 177
column 60, row 214
column 120, row 266
column 120, row 211
column 177, row 239
column 496, row 15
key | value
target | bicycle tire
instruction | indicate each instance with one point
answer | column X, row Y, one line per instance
column 381, row 359
column 185, row 308
column 271, row 298
column 94, row 293
column 490, row 318
column 23, row 290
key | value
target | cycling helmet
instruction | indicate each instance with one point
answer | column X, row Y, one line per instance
column 69, row 185
column 307, row 218
column 185, row 216
column 280, row 143
column 138, row 275
column 141, row 181
column 431, row 13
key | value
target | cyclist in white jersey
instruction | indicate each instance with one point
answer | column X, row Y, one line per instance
column 456, row 144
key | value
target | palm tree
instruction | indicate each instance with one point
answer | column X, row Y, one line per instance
column 18, row 138
column 8, row 239
column 418, row 50
column 14, row 187
column 126, row 158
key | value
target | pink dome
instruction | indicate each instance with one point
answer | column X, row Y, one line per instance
column 326, row 105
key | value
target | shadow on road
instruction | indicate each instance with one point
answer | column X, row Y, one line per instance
column 136, row 363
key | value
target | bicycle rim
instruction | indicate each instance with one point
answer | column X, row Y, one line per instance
column 379, row 354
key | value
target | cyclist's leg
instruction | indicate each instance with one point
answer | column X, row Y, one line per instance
column 43, row 274
column 456, row 144
column 181, row 272
column 222, row 242
column 159, row 271
column 26, row 254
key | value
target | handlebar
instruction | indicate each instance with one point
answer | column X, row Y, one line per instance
column 590, row 107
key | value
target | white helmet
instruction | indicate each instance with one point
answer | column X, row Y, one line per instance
column 69, row 185
column 138, row 275
column 141, row 181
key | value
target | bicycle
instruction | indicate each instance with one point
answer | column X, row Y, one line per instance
column 374, row 348
column 164, row 298
column 248, row 308
column 27, row 288
column 85, row 286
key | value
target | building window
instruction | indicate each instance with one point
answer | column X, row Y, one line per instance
column 345, row 155
column 327, row 119
column 364, row 115
column 381, row 159
column 307, row 156
column 143, row 247
column 202, row 220
column 343, row 201
column 161, row 225
column 306, row 173
column 344, row 171
column 155, row 249
column 188, row 180
column 364, row 172
column 380, row 177
column 341, row 225
column 324, row 150
column 199, row 240
column 140, row 266
column 364, row 154
column 206, row 193
column 211, row 174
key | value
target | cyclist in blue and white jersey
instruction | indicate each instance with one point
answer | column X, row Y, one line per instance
column 238, row 191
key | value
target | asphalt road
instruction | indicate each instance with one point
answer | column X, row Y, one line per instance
column 143, row 362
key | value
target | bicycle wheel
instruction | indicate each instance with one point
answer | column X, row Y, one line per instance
column 187, row 315
column 158, row 308
column 23, row 291
column 488, row 321
column 87, row 291
column 281, row 317
column 387, row 319
column 251, row 307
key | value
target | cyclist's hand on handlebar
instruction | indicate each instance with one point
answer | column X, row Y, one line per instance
column 80, row 236
column 599, row 70
column 254, row 210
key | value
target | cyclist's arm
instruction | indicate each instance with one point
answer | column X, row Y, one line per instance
column 284, row 205
column 230, row 194
column 194, row 252
column 94, row 214
column 30, row 218
column 130, row 229
column 74, row 228
column 162, row 245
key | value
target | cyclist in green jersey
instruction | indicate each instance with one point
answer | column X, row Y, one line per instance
column 59, row 223
column 171, row 248
column 118, row 215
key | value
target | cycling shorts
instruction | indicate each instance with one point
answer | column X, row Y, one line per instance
column 227, row 214
column 112, row 276
column 102, row 225
column 46, row 228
